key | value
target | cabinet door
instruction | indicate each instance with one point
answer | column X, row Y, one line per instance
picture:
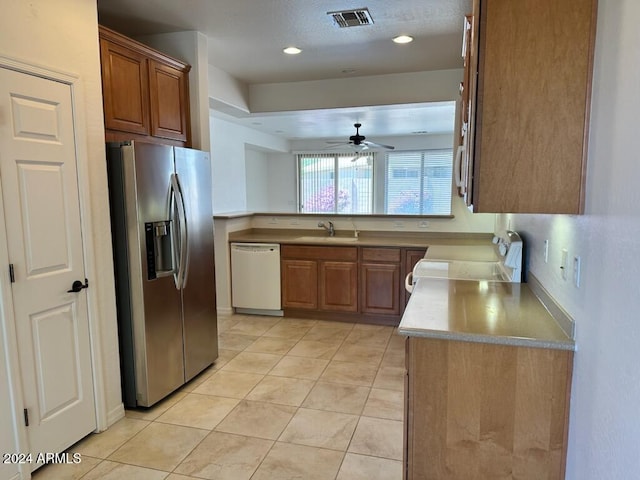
column 471, row 69
column 125, row 88
column 169, row 101
column 517, row 394
column 534, row 88
column 338, row 286
column 380, row 288
column 300, row 284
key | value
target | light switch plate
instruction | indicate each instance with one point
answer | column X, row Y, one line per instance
column 546, row 251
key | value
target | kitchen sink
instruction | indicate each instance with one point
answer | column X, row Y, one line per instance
column 327, row 239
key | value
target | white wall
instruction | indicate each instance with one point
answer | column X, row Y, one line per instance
column 394, row 89
column 222, row 229
column 257, row 170
column 63, row 36
column 281, row 180
column 228, row 162
column 604, row 424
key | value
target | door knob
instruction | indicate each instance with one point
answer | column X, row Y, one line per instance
column 78, row 285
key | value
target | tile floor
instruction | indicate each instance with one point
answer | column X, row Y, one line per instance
column 287, row 399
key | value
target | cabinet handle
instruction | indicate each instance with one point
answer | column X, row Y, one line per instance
column 457, row 166
column 408, row 282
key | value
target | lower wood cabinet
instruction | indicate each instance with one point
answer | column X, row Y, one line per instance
column 485, row 411
column 380, row 280
column 338, row 287
column 299, row 283
column 365, row 283
column 319, row 278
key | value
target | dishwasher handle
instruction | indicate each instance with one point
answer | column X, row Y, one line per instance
column 255, row 247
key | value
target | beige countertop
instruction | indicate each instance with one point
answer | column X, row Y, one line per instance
column 480, row 311
column 366, row 238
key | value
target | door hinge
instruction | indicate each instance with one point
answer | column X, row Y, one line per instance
column 26, row 417
column 12, row 275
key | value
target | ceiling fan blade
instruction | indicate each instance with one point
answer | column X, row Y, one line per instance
column 379, row 145
column 338, row 146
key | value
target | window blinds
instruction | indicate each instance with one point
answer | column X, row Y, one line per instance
column 335, row 183
column 418, row 182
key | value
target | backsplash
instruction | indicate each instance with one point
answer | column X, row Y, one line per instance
column 563, row 232
column 462, row 221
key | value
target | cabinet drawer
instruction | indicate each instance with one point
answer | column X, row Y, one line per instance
column 319, row 253
column 381, row 255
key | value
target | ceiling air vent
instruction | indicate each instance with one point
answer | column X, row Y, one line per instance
column 352, row 18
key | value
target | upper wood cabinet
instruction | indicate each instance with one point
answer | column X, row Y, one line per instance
column 145, row 92
column 530, row 88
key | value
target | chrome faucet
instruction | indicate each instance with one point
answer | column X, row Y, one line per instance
column 329, row 228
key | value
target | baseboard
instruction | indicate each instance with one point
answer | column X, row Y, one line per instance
column 260, row 311
column 115, row 414
column 225, row 311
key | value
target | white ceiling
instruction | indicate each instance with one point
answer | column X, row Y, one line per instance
column 246, row 38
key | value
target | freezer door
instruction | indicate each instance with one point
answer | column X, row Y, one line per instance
column 155, row 302
column 193, row 171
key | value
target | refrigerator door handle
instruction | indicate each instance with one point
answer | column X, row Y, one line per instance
column 184, row 247
column 182, row 230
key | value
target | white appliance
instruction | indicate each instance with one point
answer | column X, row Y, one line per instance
column 255, row 278
column 499, row 262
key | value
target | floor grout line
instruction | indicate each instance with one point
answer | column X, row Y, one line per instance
column 248, row 330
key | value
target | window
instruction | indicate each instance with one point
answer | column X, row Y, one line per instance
column 405, row 183
column 335, row 183
column 418, row 183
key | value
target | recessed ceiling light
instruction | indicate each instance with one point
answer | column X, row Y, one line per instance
column 403, row 39
column 292, row 50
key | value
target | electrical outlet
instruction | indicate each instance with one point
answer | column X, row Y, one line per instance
column 546, row 251
column 576, row 271
column 564, row 263
column 423, row 224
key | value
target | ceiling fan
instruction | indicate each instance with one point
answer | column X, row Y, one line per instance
column 360, row 143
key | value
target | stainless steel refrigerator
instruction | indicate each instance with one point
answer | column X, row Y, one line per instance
column 162, row 229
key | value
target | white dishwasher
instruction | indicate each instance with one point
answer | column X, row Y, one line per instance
column 255, row 278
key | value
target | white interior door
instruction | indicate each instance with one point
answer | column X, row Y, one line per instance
column 44, row 238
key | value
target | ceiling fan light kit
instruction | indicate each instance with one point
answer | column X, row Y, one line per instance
column 359, row 142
